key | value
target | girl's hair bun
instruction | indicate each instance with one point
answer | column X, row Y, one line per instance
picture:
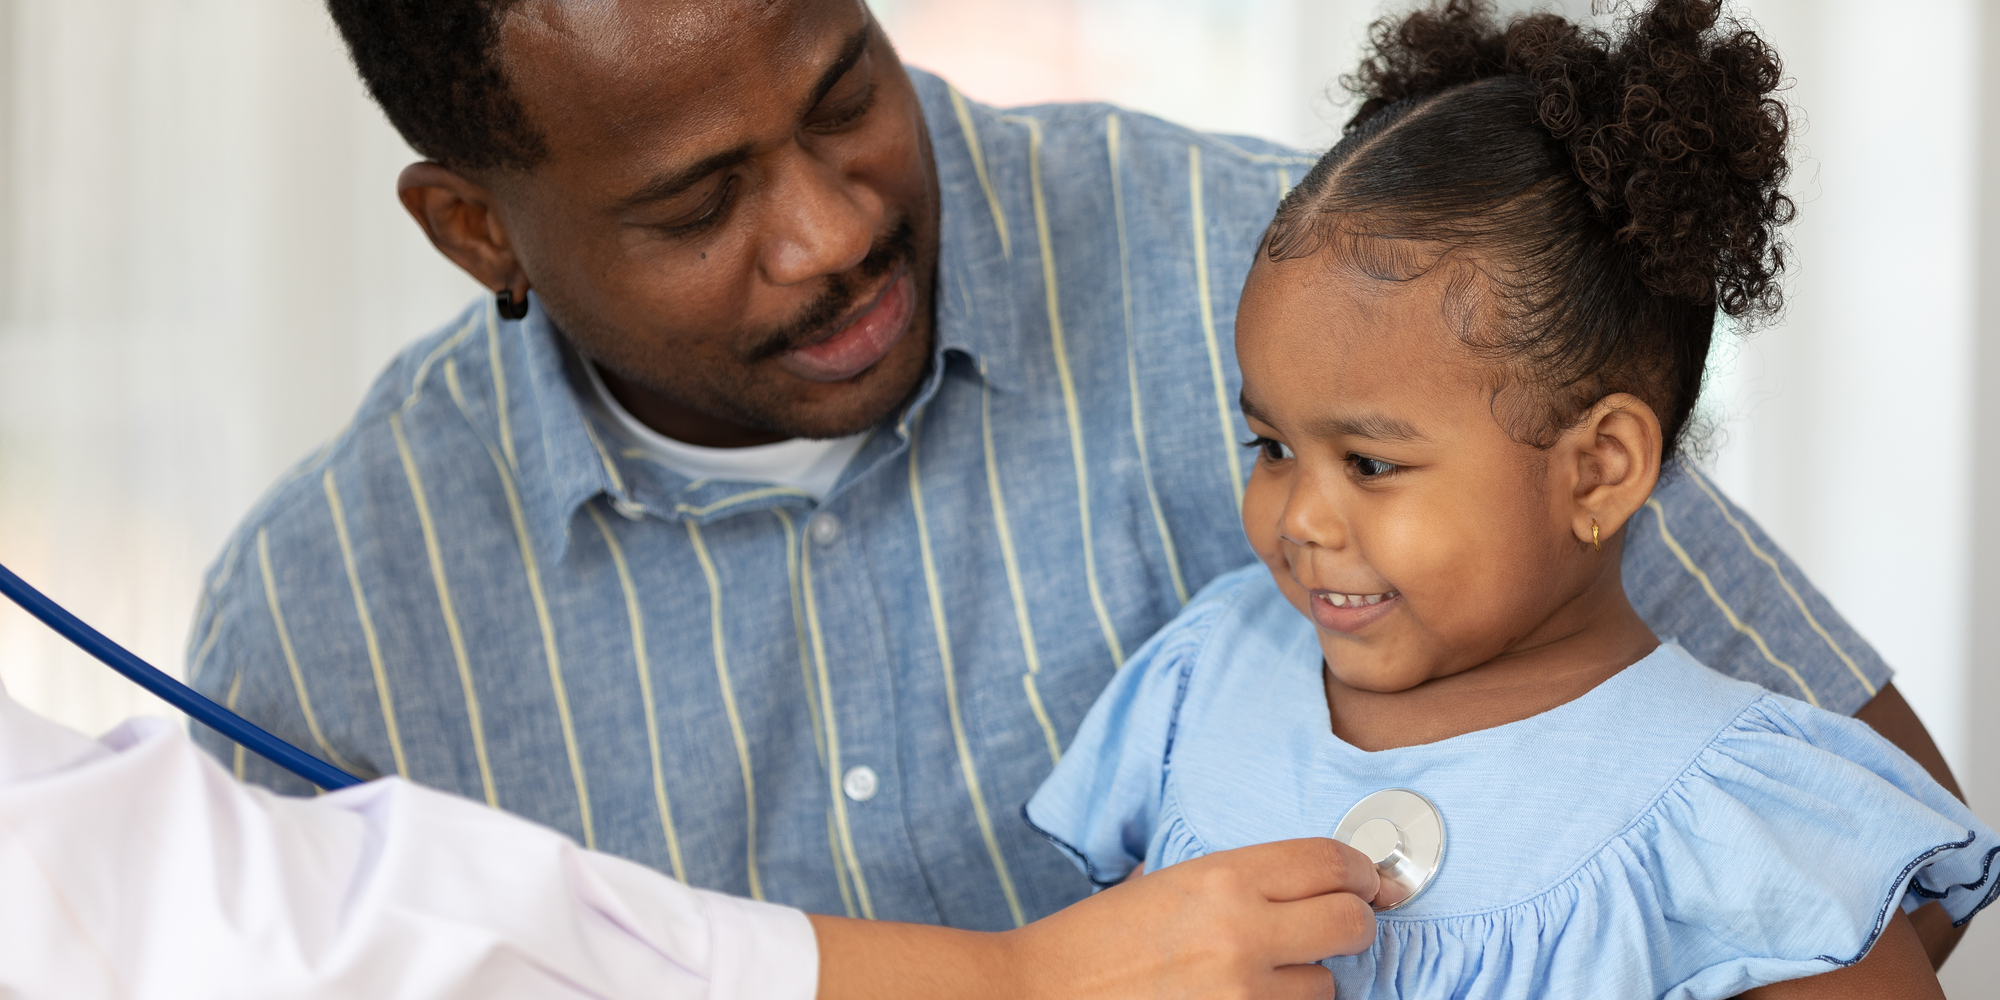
column 1673, row 128
column 1613, row 192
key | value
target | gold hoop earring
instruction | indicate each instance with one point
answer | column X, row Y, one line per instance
column 1594, row 542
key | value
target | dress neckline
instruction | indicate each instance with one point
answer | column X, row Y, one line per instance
column 1566, row 717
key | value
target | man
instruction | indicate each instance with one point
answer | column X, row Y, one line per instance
column 852, row 435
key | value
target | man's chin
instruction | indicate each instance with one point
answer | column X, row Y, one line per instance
column 854, row 405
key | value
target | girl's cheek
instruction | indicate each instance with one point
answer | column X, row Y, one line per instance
column 1263, row 503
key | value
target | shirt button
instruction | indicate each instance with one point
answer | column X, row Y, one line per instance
column 860, row 783
column 627, row 509
column 825, row 528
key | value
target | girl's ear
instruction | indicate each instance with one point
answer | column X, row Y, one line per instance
column 1612, row 460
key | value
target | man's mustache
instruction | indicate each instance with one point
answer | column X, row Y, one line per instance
column 842, row 292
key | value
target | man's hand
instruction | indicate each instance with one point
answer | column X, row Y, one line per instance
column 1246, row 923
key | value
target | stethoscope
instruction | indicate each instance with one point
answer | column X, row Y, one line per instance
column 173, row 692
column 1399, row 831
column 1402, row 833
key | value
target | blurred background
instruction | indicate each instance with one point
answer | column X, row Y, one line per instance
column 202, row 264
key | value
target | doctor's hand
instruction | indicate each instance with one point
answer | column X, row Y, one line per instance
column 1246, row 924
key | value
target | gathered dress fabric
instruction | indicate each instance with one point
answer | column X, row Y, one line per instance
column 1671, row 833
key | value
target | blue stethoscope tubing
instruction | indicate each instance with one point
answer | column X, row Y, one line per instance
column 197, row 706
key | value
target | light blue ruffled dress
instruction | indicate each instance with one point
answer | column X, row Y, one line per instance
column 1672, row 833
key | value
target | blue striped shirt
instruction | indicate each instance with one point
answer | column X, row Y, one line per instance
column 477, row 586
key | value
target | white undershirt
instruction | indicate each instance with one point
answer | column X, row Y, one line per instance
column 801, row 463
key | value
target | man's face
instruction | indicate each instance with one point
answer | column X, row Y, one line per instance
column 737, row 215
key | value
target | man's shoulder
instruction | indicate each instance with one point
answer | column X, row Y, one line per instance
column 357, row 455
column 1143, row 140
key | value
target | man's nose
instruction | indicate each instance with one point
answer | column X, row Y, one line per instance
column 823, row 221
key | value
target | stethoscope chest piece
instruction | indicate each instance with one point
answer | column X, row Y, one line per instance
column 1402, row 833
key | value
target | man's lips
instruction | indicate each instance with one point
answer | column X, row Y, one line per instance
column 858, row 344
column 1338, row 612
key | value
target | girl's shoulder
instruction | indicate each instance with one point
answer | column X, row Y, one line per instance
column 1106, row 797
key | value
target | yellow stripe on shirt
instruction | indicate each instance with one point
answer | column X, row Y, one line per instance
column 636, row 617
column 1729, row 613
column 1230, row 446
column 833, row 769
column 501, row 415
column 793, row 582
column 229, row 702
column 1071, row 409
column 1015, row 588
column 964, row 113
column 442, row 584
column 291, row 656
column 1776, row 571
column 550, row 653
column 943, row 633
column 1112, row 133
column 721, row 656
column 382, row 694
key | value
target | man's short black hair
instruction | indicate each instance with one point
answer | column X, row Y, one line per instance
column 433, row 67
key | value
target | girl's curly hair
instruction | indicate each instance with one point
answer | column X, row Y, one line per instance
column 1614, row 192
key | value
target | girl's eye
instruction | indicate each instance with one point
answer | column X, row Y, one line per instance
column 1370, row 468
column 1270, row 449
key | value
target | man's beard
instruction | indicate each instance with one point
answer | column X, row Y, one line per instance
column 837, row 302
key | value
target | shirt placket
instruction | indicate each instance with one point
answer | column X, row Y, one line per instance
column 847, row 628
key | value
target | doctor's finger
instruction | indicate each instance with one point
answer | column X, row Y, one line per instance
column 1308, row 930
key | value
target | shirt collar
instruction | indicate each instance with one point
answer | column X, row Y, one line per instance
column 975, row 302
column 564, row 464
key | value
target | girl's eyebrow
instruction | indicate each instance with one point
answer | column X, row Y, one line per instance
column 1375, row 426
column 1370, row 425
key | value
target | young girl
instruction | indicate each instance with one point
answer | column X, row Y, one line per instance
column 1474, row 333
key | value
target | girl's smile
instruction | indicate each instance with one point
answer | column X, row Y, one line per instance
column 1351, row 612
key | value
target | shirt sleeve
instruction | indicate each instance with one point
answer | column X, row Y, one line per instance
column 1102, row 803
column 134, row 866
column 1701, row 572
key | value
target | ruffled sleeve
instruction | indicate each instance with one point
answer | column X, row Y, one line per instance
column 1784, row 850
column 1103, row 801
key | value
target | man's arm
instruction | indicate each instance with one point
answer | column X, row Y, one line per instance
column 1894, row 968
column 1701, row 571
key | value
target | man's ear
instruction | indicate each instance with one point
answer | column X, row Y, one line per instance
column 460, row 217
column 1612, row 461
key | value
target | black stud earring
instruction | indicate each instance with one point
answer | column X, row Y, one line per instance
column 510, row 309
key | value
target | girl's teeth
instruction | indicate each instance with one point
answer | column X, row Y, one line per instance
column 1355, row 600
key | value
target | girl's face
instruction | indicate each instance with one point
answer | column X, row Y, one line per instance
column 1389, row 503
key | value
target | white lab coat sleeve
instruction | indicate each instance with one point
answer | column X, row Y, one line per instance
column 135, row 867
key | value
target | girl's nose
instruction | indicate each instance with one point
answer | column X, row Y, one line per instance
column 1311, row 518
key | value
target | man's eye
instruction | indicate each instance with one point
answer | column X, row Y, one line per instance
column 710, row 212
column 838, row 116
column 1370, row 468
column 1270, row 449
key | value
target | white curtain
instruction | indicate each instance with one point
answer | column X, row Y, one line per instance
column 204, row 264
